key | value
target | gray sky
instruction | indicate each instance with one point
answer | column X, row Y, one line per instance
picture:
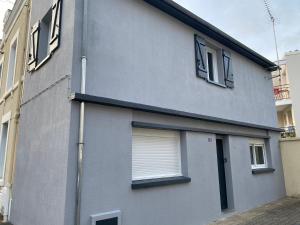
column 245, row 20
column 4, row 5
column 248, row 22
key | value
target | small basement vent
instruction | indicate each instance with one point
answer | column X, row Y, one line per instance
column 108, row 218
column 112, row 221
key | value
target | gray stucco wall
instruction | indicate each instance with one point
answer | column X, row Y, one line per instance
column 142, row 69
column 254, row 190
column 107, row 174
column 138, row 53
column 44, row 180
column 39, row 191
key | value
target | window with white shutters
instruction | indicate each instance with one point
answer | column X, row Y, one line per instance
column 45, row 37
column 155, row 154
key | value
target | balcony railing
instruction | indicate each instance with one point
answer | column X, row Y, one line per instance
column 289, row 131
column 282, row 92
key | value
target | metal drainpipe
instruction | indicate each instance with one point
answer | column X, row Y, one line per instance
column 82, row 112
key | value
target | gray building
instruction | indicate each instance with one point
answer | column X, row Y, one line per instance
column 140, row 113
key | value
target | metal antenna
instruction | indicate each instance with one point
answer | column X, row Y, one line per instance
column 272, row 18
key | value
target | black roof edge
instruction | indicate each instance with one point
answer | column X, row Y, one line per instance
column 188, row 18
column 165, row 111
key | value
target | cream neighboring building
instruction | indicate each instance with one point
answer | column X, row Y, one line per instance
column 287, row 94
column 12, row 67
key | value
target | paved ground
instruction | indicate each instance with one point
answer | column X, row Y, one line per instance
column 283, row 212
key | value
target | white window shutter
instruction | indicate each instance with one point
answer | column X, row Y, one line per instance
column 55, row 26
column 33, row 49
column 155, row 154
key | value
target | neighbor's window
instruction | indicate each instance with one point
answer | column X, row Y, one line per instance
column 45, row 37
column 11, row 65
column 258, row 154
column 3, row 148
column 155, row 154
column 1, row 66
column 1, row 69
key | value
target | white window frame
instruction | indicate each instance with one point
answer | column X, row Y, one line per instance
column 258, row 143
column 108, row 215
column 155, row 133
column 14, row 40
column 5, row 119
column 215, row 64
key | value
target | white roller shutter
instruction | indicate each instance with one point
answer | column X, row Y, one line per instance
column 155, row 154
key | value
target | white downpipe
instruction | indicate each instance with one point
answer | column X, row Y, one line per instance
column 82, row 112
column 80, row 143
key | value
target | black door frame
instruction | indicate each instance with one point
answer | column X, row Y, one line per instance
column 221, row 172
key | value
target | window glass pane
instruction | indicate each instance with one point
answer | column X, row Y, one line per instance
column 251, row 155
column 259, row 153
column 3, row 148
column 11, row 65
column 210, row 66
column 44, row 37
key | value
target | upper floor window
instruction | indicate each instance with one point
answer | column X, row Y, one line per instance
column 45, row 37
column 11, row 64
column 213, row 64
column 258, row 154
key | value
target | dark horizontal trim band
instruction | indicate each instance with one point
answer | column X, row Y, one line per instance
column 173, row 9
column 139, row 184
column 154, row 109
column 263, row 170
column 181, row 128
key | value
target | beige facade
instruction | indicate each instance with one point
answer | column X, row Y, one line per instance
column 287, row 94
column 12, row 62
column 290, row 152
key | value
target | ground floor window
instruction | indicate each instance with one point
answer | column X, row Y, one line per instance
column 258, row 154
column 155, row 154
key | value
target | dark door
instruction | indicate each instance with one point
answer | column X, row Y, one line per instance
column 222, row 177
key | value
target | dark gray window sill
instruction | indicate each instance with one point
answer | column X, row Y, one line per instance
column 139, row 184
column 262, row 170
column 216, row 83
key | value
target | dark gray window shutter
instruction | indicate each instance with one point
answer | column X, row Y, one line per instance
column 33, row 49
column 200, row 53
column 228, row 74
column 55, row 26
